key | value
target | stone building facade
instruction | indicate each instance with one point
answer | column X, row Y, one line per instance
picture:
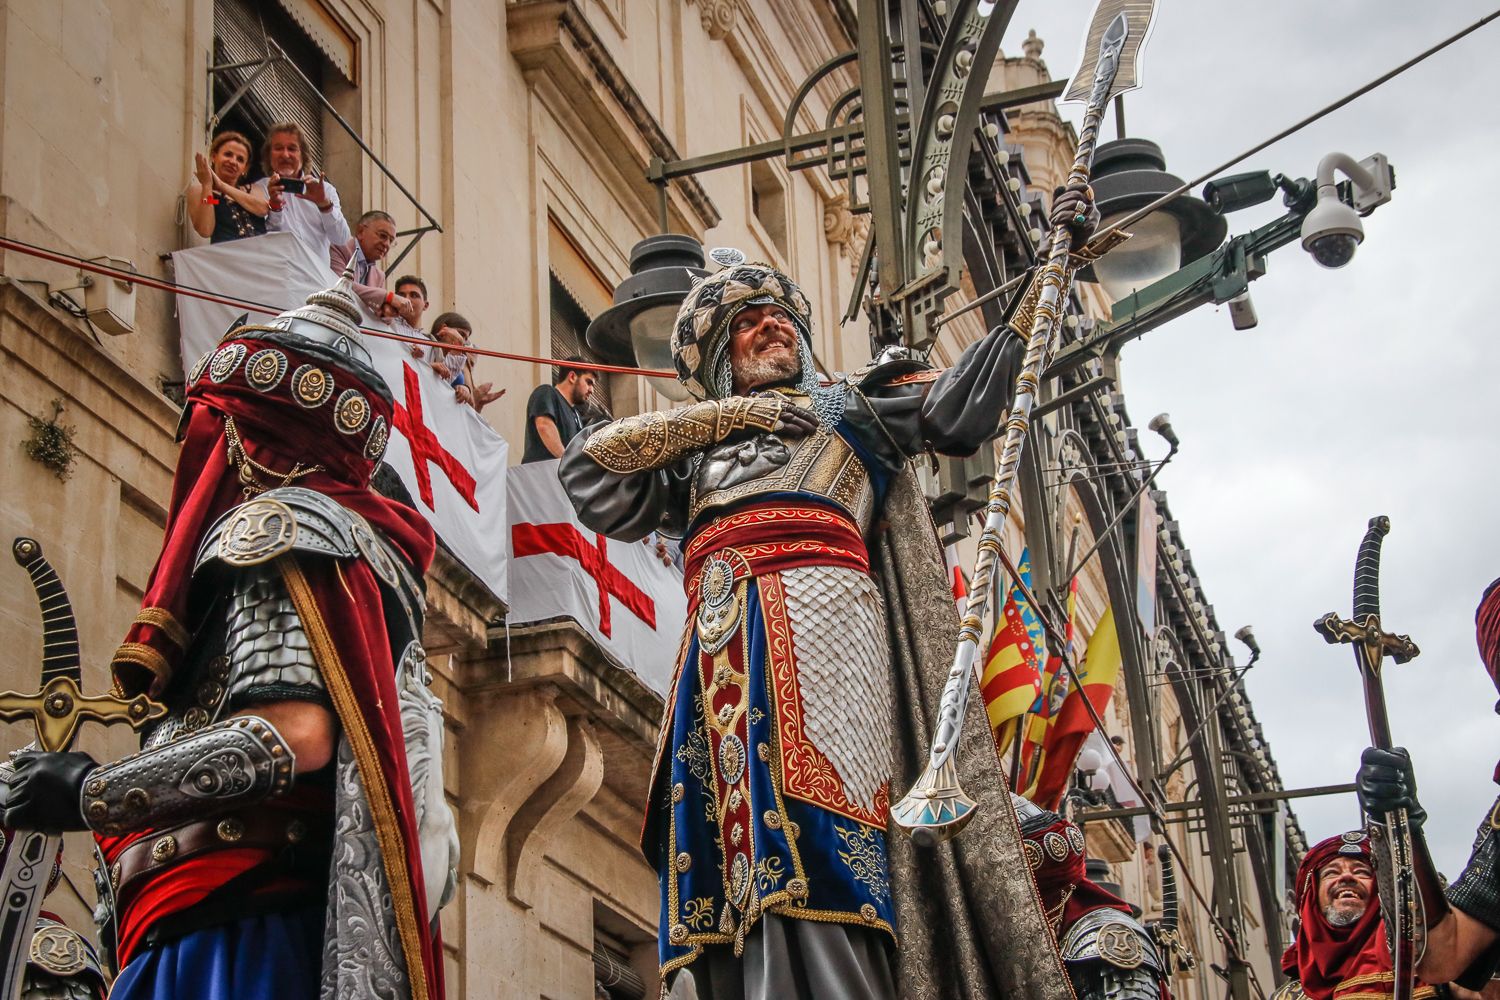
column 524, row 127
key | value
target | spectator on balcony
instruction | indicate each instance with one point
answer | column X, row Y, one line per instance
column 414, row 290
column 457, row 367
column 219, row 206
column 552, row 418
column 302, row 200
column 373, row 238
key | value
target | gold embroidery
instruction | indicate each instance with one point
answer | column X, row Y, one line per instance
column 865, row 858
column 142, row 655
column 387, row 831
column 164, row 620
column 656, row 440
column 698, row 913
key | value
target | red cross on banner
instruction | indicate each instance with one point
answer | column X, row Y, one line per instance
column 425, row 446
column 567, row 540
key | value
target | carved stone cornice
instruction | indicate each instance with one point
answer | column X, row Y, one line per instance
column 843, row 228
column 459, row 607
column 717, row 16
column 552, row 38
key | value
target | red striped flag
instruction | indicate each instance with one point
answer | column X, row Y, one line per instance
column 1096, row 682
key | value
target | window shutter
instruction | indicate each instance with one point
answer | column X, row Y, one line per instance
column 278, row 94
column 569, row 321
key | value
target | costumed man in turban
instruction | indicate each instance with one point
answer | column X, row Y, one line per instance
column 1108, row 954
column 282, row 832
column 1463, row 943
column 769, row 800
column 1341, row 949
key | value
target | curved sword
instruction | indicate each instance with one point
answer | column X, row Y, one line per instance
column 1390, row 835
column 56, row 710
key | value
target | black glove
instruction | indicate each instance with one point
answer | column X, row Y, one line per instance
column 1386, row 782
column 1073, row 208
column 42, row 791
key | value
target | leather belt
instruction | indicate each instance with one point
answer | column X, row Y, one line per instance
column 265, row 829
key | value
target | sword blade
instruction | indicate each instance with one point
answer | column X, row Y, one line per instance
column 23, row 882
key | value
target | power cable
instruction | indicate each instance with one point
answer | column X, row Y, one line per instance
column 165, row 285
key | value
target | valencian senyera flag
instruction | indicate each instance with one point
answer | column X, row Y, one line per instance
column 1044, row 710
column 1073, row 721
column 1011, row 680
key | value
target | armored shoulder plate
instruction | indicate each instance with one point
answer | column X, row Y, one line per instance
column 1106, row 935
column 891, row 362
column 1476, row 891
column 1030, row 816
column 63, row 953
column 280, row 521
column 1289, row 990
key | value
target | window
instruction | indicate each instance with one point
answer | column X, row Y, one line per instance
column 319, row 67
column 242, row 29
column 768, row 204
column 569, row 322
column 617, row 941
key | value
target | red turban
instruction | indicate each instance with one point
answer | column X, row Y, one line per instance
column 1331, row 961
column 1056, row 852
column 1487, row 630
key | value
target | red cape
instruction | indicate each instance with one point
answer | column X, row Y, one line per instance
column 339, row 602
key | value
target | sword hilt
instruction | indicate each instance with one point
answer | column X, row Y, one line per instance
column 1367, row 569
column 59, row 707
column 60, row 656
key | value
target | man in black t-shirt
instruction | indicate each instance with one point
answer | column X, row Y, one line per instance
column 552, row 412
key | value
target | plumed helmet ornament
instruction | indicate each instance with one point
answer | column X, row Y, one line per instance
column 699, row 337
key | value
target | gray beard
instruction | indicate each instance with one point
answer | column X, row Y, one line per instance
column 1341, row 918
column 753, row 372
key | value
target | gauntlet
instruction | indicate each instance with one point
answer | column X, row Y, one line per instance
column 656, row 440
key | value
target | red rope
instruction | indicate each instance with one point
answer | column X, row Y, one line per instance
column 225, row 300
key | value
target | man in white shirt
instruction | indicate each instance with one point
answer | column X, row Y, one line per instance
column 302, row 202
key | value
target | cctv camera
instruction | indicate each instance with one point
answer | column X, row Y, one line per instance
column 1242, row 312
column 1332, row 230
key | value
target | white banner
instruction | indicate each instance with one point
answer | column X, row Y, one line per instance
column 452, row 462
column 620, row 592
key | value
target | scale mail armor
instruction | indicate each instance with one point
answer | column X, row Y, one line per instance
column 1109, row 956
column 1477, row 890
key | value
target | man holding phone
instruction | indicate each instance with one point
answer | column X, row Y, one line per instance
column 302, row 202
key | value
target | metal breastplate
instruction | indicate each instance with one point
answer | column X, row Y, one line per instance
column 821, row 464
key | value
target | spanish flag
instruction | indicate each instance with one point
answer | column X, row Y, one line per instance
column 1096, row 682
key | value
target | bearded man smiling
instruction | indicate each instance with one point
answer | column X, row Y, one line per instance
column 1341, row 951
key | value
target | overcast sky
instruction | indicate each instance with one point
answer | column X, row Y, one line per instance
column 1368, row 390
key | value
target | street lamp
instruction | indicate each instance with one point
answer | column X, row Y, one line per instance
column 1131, row 173
column 637, row 329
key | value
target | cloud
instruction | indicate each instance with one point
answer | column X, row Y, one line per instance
column 1363, row 391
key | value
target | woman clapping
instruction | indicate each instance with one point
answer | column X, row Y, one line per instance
column 219, row 207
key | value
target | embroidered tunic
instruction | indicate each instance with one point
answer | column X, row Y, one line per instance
column 770, row 790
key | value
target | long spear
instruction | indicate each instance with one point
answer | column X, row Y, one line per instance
column 936, row 808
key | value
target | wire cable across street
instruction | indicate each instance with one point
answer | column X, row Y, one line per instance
column 165, row 285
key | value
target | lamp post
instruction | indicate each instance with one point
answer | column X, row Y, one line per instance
column 1131, row 173
column 637, row 329
column 1322, row 215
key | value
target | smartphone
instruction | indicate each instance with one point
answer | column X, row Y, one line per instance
column 293, row 185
